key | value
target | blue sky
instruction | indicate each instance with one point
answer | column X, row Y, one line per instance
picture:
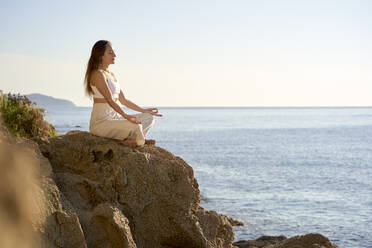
column 194, row 53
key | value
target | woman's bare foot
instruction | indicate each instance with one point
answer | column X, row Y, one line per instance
column 129, row 142
column 150, row 142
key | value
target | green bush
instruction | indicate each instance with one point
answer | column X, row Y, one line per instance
column 23, row 118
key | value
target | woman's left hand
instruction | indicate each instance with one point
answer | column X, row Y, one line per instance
column 153, row 111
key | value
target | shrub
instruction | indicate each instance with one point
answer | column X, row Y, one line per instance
column 23, row 118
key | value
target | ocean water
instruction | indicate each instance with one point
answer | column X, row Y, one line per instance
column 283, row 171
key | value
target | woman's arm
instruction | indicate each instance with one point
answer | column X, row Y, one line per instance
column 126, row 102
column 131, row 105
column 100, row 83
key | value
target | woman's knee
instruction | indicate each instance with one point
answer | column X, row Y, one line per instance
column 146, row 119
column 147, row 116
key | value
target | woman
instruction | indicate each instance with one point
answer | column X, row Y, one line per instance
column 107, row 118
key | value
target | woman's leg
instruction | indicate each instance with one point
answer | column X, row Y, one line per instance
column 136, row 134
column 147, row 121
column 123, row 130
column 103, row 123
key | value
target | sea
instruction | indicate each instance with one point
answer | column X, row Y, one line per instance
column 281, row 170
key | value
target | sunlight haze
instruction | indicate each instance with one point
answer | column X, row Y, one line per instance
column 194, row 53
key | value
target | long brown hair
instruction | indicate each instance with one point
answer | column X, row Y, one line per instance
column 95, row 60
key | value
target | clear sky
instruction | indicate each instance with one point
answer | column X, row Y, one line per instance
column 194, row 52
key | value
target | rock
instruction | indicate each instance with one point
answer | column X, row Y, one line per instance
column 79, row 190
column 305, row 241
column 69, row 232
column 144, row 197
column 234, row 222
column 26, row 171
column 115, row 226
column 17, row 182
column 263, row 241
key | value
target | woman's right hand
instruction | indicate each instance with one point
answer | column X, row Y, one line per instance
column 132, row 119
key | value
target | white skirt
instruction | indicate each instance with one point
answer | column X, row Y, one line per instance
column 106, row 122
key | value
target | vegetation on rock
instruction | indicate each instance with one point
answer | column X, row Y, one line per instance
column 23, row 119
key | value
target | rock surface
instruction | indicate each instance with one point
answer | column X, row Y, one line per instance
column 261, row 242
column 124, row 197
column 90, row 191
column 312, row 240
column 234, row 222
column 54, row 225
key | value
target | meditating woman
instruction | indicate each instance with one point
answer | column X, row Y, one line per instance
column 107, row 118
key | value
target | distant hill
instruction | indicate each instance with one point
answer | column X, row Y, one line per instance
column 44, row 101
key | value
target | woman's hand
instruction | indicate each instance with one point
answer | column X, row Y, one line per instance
column 132, row 119
column 153, row 111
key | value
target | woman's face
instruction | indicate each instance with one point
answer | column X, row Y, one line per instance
column 109, row 56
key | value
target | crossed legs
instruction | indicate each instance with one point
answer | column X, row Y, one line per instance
column 137, row 136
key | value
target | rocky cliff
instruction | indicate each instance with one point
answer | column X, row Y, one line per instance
column 125, row 197
column 93, row 192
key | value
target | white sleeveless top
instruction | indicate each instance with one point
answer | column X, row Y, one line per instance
column 113, row 86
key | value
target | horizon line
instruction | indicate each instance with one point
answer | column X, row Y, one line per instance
column 283, row 106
